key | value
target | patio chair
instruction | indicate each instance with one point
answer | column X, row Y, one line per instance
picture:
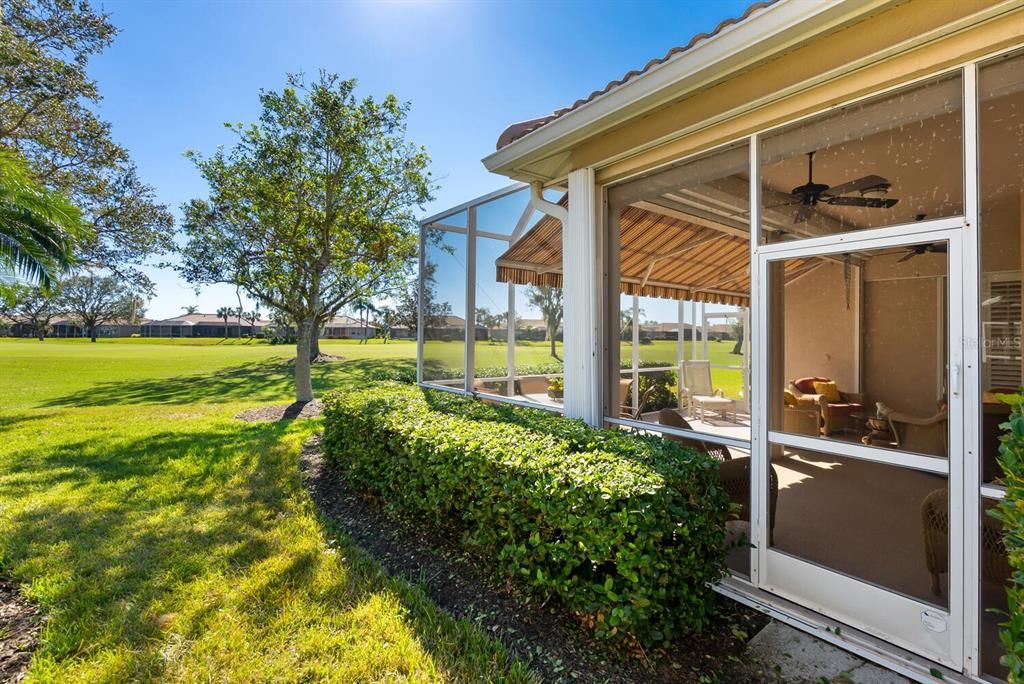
column 735, row 477
column 995, row 565
column 671, row 417
column 696, row 391
column 922, row 435
column 835, row 413
column 637, row 412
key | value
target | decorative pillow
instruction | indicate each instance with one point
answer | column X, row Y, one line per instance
column 829, row 390
column 789, row 398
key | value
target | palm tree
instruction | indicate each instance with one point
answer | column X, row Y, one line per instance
column 251, row 317
column 191, row 309
column 365, row 307
column 225, row 312
column 39, row 229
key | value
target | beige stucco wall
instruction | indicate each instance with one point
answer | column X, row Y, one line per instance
column 902, row 357
column 820, row 330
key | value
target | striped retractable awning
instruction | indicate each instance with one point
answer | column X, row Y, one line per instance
column 660, row 256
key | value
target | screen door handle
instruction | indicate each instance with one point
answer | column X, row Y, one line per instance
column 957, row 378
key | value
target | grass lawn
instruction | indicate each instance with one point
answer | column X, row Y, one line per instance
column 167, row 540
column 663, row 352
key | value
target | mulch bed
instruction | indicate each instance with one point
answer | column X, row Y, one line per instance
column 546, row 636
column 310, row 409
column 20, row 623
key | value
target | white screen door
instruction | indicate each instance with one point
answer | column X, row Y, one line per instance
column 859, row 480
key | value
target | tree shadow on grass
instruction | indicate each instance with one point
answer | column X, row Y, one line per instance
column 112, row 534
column 268, row 381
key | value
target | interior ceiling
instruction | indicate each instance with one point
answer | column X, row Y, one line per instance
column 692, row 242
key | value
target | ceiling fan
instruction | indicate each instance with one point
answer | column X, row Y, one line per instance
column 871, row 191
column 917, row 250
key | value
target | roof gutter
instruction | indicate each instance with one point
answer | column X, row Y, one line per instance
column 769, row 32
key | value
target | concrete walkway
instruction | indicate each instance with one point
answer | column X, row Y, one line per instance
column 794, row 656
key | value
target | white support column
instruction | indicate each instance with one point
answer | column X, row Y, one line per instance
column 635, row 344
column 510, row 340
column 419, row 303
column 581, row 281
column 680, row 325
column 969, row 350
column 470, row 355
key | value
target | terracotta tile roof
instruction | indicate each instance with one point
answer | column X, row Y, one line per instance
column 518, row 130
column 202, row 319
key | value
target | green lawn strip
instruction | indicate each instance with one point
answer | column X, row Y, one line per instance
column 172, row 541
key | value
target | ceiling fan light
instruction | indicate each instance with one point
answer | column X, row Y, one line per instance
column 876, row 191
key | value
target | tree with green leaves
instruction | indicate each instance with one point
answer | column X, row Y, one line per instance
column 313, row 207
column 385, row 321
column 95, row 300
column 435, row 313
column 190, row 309
column 47, row 116
column 39, row 228
column 34, row 305
column 549, row 301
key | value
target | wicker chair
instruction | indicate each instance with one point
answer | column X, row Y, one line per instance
column 672, row 418
column 834, row 416
column 995, row 566
column 735, row 477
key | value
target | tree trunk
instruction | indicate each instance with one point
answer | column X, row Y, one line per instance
column 314, row 343
column 551, row 336
column 738, row 347
column 92, row 333
column 303, row 380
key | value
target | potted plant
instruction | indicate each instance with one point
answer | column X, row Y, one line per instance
column 556, row 388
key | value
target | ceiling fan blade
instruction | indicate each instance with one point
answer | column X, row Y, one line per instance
column 855, row 185
column 907, row 257
column 873, row 202
column 940, row 247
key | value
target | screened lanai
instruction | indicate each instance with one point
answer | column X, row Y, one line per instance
column 684, row 297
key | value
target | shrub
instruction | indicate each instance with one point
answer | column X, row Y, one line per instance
column 626, row 530
column 664, row 395
column 1011, row 512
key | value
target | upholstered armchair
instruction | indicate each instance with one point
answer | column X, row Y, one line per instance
column 835, row 411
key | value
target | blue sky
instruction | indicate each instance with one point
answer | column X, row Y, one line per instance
column 178, row 71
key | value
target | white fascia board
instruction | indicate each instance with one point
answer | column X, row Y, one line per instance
column 768, row 32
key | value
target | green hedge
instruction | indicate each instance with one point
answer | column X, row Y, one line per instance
column 1011, row 512
column 626, row 530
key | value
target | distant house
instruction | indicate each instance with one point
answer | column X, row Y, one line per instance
column 16, row 326
column 71, row 327
column 201, row 325
column 346, row 327
column 453, row 327
column 402, row 332
column 534, row 329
